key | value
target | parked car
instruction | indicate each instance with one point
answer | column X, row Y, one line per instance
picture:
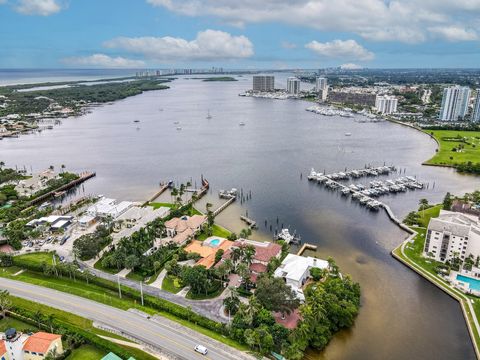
column 201, row 349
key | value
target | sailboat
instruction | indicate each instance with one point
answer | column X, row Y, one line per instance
column 208, row 115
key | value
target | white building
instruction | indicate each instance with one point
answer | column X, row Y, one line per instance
column 476, row 108
column 263, row 83
column 322, row 88
column 386, row 104
column 106, row 207
column 293, row 85
column 452, row 234
column 295, row 270
column 454, row 103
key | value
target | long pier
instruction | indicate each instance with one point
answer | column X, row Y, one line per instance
column 252, row 224
column 163, row 188
column 224, row 205
column 83, row 177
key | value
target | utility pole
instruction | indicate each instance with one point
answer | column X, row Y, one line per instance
column 141, row 291
column 119, row 288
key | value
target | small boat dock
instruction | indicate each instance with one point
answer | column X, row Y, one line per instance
column 252, row 224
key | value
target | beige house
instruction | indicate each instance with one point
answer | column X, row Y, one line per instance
column 184, row 228
column 40, row 344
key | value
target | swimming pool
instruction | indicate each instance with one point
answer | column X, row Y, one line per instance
column 474, row 284
column 214, row 242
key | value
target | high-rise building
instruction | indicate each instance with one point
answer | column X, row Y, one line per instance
column 263, row 83
column 386, row 104
column 322, row 88
column 293, row 85
column 476, row 108
column 454, row 103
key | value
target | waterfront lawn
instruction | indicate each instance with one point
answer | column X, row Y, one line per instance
column 427, row 214
column 172, row 284
column 450, row 139
column 86, row 352
column 414, row 251
column 157, row 205
column 217, row 230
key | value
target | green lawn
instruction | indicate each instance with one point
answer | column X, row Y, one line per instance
column 132, row 275
column 86, row 352
column 172, row 284
column 98, row 265
column 37, row 257
column 108, row 297
column 216, row 290
column 450, row 139
column 217, row 230
column 157, row 205
column 9, row 322
column 427, row 214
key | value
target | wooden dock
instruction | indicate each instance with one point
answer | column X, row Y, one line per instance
column 252, row 224
column 83, row 177
column 163, row 187
column 224, row 205
column 306, row 247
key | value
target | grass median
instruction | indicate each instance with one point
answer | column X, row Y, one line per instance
column 107, row 297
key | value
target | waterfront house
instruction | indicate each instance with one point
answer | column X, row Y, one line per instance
column 264, row 252
column 207, row 249
column 295, row 270
column 451, row 235
column 180, row 230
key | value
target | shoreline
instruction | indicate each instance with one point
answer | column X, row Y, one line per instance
column 405, row 260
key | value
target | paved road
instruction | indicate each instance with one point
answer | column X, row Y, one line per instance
column 172, row 339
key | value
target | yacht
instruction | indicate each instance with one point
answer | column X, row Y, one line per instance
column 348, row 134
column 242, row 123
column 208, row 115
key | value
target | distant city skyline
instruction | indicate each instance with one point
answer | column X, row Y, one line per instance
column 272, row 34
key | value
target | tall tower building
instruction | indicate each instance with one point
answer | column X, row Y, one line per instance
column 476, row 108
column 386, row 104
column 293, row 85
column 322, row 88
column 454, row 103
column 263, row 83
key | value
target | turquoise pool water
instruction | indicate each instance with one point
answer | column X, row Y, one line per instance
column 473, row 283
column 215, row 242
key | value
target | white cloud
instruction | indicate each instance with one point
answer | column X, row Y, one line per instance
column 288, row 45
column 342, row 49
column 350, row 66
column 105, row 61
column 409, row 21
column 38, row 7
column 208, row 45
column 455, row 33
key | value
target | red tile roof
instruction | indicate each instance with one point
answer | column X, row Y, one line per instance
column 263, row 252
column 258, row 268
column 40, row 342
column 3, row 348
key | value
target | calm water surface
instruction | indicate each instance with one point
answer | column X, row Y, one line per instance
column 402, row 315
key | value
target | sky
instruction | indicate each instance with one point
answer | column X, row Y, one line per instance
column 239, row 34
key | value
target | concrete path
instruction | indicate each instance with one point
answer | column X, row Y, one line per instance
column 159, row 280
column 123, row 273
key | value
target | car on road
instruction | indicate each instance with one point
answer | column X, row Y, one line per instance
column 201, row 349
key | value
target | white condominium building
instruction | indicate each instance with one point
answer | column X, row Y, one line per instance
column 476, row 108
column 452, row 234
column 322, row 88
column 263, row 83
column 293, row 85
column 454, row 103
column 386, row 104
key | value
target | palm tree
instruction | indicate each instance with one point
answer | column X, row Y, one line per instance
column 5, row 302
column 237, row 254
column 63, row 167
column 249, row 254
column 2, row 164
column 50, row 319
column 37, row 316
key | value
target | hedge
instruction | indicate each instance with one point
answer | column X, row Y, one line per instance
column 69, row 329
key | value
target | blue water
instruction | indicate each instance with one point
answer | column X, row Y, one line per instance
column 473, row 283
column 215, row 242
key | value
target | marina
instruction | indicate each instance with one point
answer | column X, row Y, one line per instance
column 365, row 193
